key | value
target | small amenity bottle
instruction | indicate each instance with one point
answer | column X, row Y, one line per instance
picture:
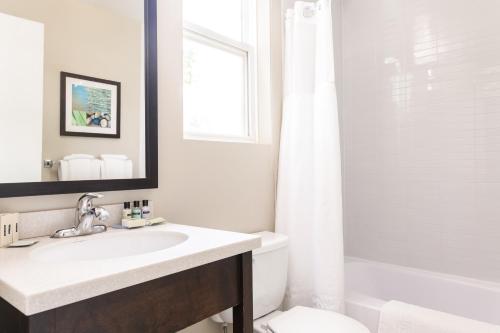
column 136, row 211
column 145, row 212
column 127, row 212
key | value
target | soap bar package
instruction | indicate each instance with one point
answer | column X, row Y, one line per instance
column 15, row 226
column 5, row 232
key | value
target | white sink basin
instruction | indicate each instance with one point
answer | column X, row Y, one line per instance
column 109, row 246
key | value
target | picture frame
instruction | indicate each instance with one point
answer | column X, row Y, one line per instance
column 90, row 107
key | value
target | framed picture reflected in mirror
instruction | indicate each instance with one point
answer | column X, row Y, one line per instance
column 89, row 106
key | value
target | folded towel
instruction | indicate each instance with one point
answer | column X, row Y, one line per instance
column 398, row 317
column 78, row 156
column 116, row 157
column 79, row 169
column 116, row 169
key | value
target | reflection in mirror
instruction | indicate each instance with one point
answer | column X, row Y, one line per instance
column 72, row 98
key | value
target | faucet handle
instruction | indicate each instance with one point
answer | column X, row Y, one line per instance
column 101, row 213
column 85, row 201
column 91, row 196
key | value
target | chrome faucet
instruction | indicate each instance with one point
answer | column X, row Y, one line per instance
column 85, row 215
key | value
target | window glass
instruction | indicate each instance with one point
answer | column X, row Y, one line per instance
column 221, row 16
column 215, row 89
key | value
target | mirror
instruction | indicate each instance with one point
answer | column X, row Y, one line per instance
column 77, row 95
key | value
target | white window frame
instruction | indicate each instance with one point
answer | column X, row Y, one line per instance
column 210, row 38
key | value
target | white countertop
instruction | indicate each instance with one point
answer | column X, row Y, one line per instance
column 34, row 286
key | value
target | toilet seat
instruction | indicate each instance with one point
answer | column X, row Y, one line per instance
column 304, row 320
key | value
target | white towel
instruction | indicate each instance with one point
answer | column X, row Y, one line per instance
column 116, row 167
column 113, row 156
column 77, row 157
column 79, row 168
column 398, row 317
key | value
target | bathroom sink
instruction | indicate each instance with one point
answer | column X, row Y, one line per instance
column 109, row 246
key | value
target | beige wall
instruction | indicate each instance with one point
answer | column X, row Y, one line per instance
column 109, row 47
column 229, row 186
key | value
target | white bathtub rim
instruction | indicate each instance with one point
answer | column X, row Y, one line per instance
column 463, row 280
column 374, row 303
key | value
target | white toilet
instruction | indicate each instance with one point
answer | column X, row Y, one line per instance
column 269, row 281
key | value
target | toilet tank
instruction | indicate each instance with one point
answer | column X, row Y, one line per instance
column 270, row 266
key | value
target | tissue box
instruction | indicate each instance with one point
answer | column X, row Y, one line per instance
column 9, row 229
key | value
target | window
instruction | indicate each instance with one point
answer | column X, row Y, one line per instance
column 220, row 70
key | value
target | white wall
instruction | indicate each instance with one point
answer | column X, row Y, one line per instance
column 421, row 111
column 21, row 99
column 229, row 186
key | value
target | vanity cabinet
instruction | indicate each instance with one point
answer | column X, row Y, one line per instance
column 164, row 305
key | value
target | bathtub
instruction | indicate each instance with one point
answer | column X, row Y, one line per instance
column 370, row 284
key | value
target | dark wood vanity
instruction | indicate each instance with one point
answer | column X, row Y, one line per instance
column 164, row 305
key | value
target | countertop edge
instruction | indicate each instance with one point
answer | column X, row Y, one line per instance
column 31, row 305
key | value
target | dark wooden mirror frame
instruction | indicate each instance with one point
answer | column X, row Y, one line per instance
column 151, row 180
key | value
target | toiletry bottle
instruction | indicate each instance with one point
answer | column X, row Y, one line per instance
column 127, row 212
column 146, row 212
column 136, row 211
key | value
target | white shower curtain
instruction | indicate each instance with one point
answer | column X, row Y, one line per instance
column 309, row 197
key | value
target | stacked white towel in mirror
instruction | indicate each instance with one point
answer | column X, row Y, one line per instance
column 88, row 167
column 116, row 167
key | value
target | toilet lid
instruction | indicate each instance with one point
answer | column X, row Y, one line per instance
column 304, row 320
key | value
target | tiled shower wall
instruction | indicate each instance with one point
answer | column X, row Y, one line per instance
column 421, row 133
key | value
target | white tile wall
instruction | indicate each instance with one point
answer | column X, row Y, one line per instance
column 421, row 133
